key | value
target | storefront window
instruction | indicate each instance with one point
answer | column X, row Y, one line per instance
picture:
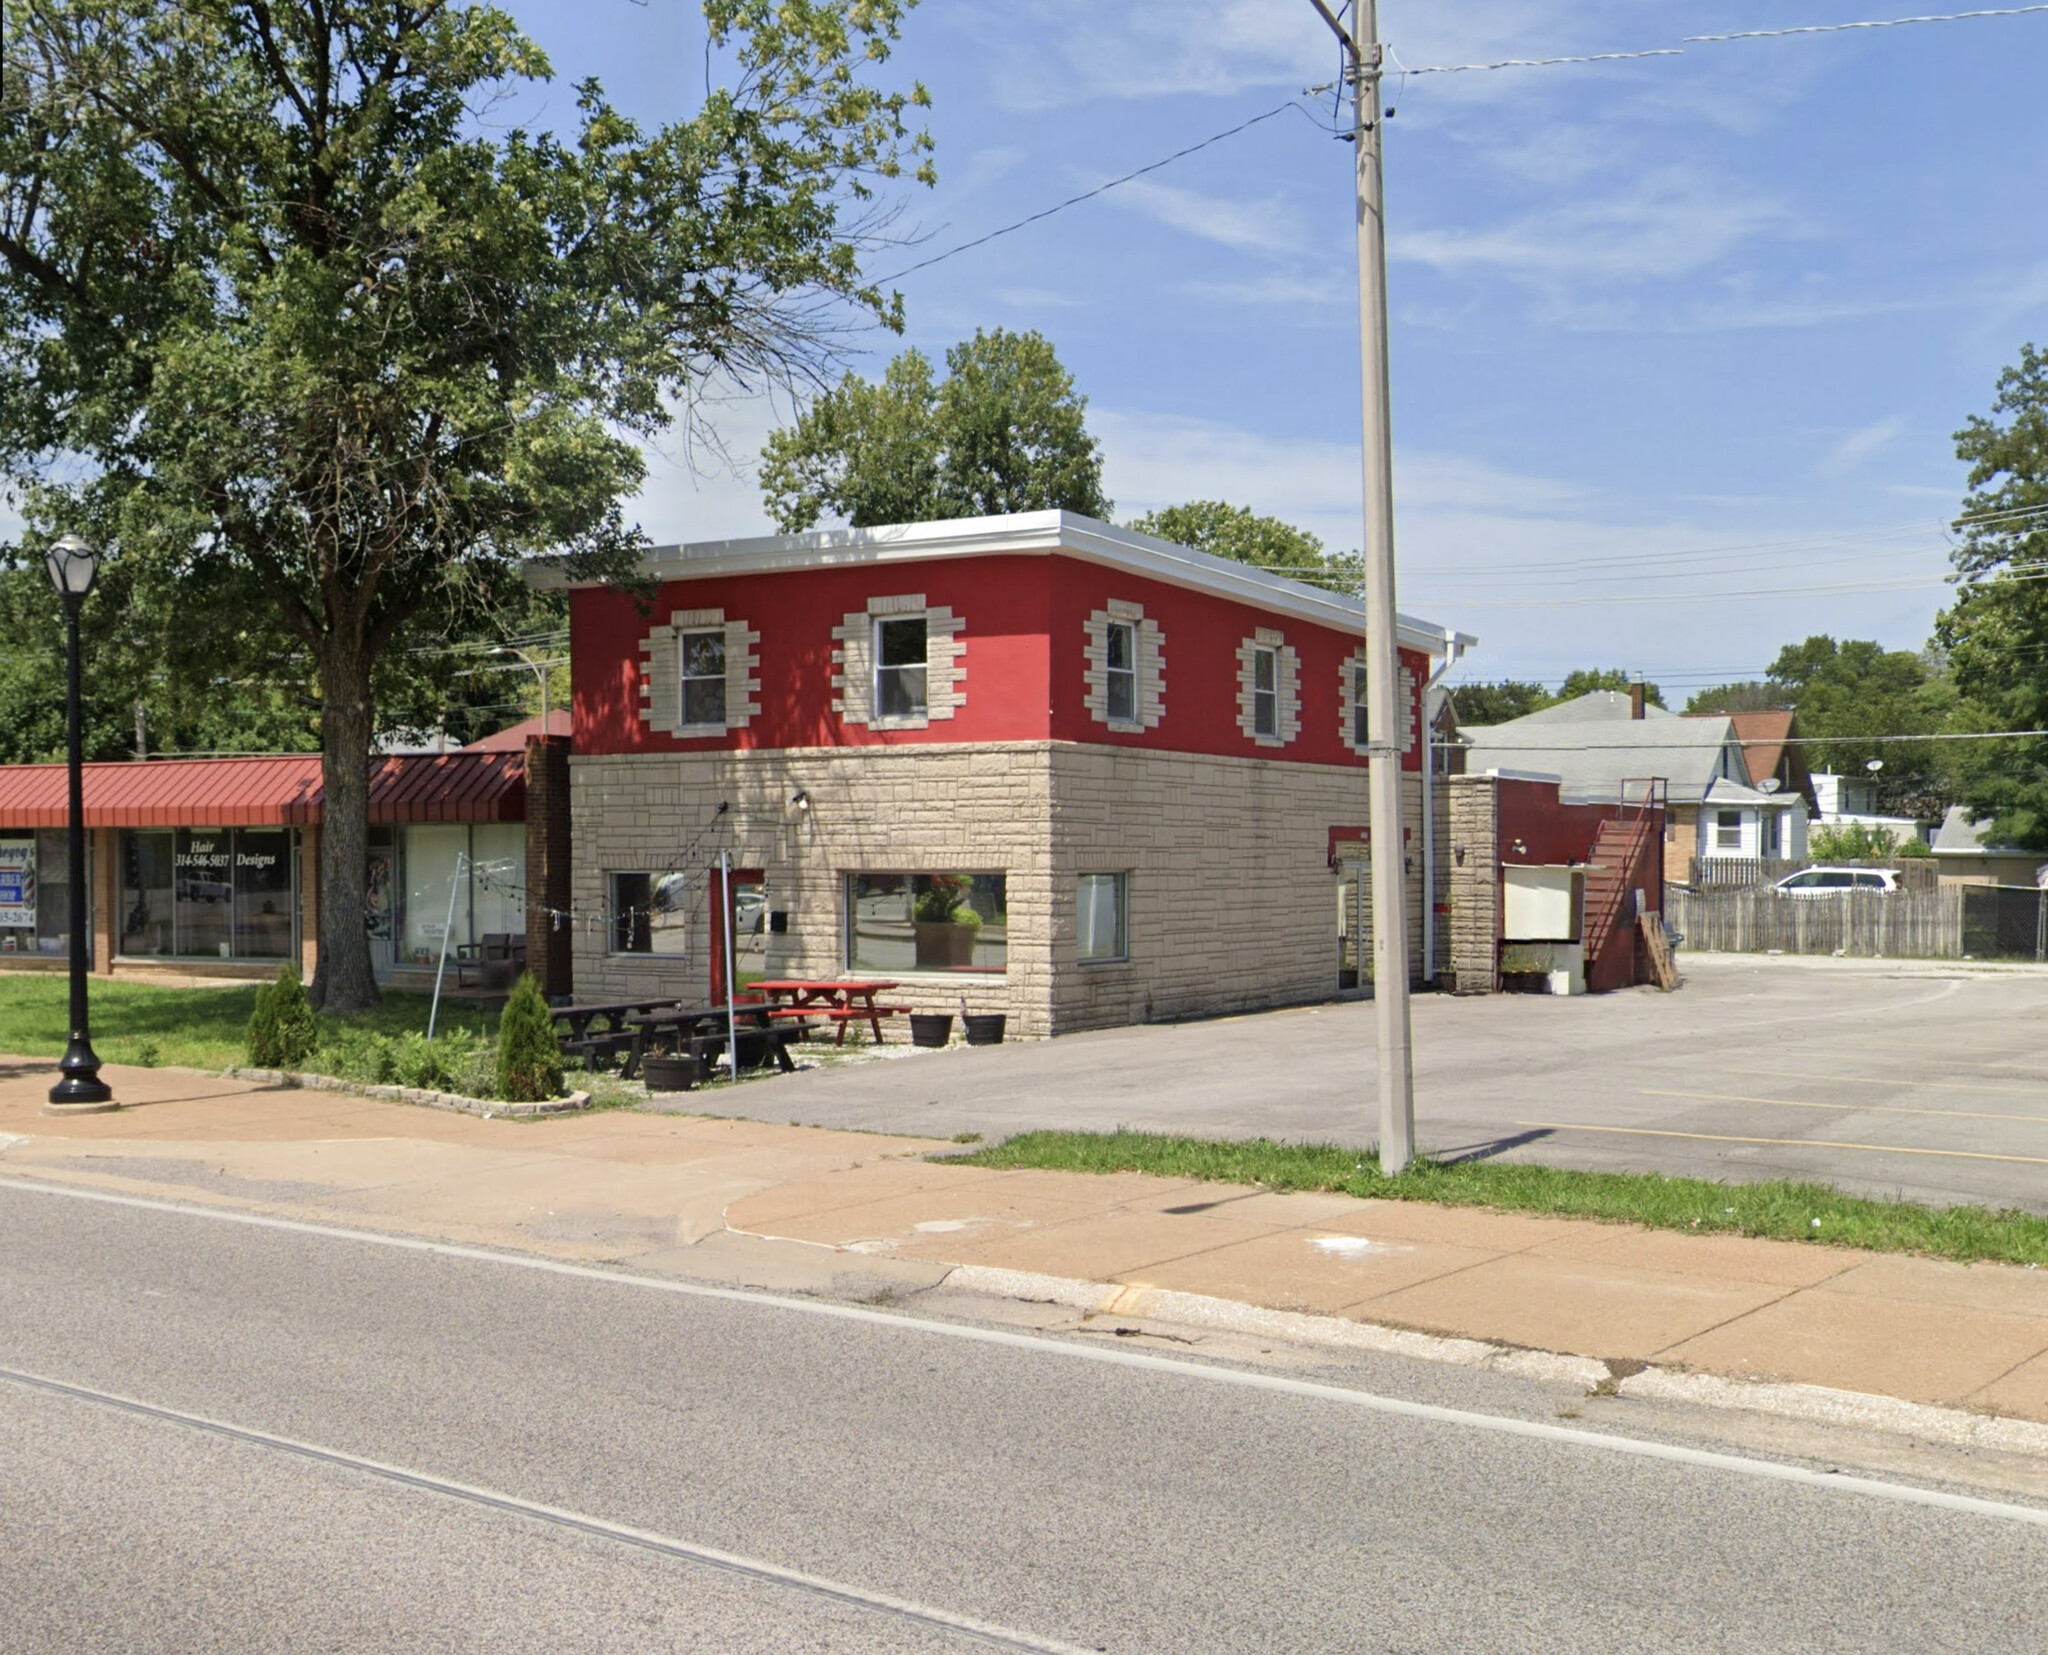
column 650, row 913
column 263, row 894
column 147, row 886
column 432, row 860
column 205, row 891
column 1100, row 933
column 928, row 922
column 498, row 884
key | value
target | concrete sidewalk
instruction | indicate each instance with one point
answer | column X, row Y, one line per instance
column 804, row 1208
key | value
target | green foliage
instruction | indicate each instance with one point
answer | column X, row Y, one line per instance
column 1846, row 692
column 1852, row 842
column 529, row 1055
column 1496, row 703
column 1747, row 697
column 1914, row 848
column 941, row 901
column 282, row 1030
column 1238, row 533
column 1996, row 631
column 1588, row 679
column 1003, row 432
column 323, row 353
column 1784, row 1211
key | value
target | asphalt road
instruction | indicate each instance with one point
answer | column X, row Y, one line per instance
column 1061, row 1493
column 1908, row 1079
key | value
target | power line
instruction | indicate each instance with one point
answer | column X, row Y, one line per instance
column 1090, row 195
column 1711, row 40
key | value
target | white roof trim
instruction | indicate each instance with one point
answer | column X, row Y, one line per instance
column 1027, row 534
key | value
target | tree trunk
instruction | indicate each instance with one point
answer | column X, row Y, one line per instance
column 343, row 981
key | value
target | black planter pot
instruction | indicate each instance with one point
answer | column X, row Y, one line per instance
column 671, row 1074
column 985, row 1029
column 930, row 1028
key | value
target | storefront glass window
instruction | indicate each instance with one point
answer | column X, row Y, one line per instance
column 146, row 894
column 263, row 893
column 498, row 886
column 205, row 881
column 431, row 861
column 19, row 893
column 928, row 922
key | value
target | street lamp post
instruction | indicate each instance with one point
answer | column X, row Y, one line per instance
column 73, row 566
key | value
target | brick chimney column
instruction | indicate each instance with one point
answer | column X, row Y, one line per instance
column 547, row 863
column 1635, row 699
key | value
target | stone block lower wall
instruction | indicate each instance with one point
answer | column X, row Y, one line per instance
column 1471, row 850
column 922, row 809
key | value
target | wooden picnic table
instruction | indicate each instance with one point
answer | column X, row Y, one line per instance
column 842, row 1000
column 580, row 1036
column 704, row 1030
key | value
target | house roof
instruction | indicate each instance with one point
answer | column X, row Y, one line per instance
column 1962, row 834
column 272, row 789
column 1023, row 534
column 1593, row 752
column 1763, row 736
column 512, row 739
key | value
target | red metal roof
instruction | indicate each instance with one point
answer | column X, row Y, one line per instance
column 513, row 739
column 281, row 789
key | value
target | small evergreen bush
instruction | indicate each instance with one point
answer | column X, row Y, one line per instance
column 529, row 1056
column 282, row 1031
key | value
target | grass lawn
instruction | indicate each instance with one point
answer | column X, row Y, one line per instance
column 198, row 1028
column 1781, row 1211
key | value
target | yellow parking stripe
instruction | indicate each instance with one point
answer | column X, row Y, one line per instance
column 1789, row 1143
column 1850, row 1108
column 1889, row 1080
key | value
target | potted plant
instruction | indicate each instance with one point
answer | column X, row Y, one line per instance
column 945, row 925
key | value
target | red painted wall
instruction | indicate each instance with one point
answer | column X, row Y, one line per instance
column 1025, row 621
column 1532, row 815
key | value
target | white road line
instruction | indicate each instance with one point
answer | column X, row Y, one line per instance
column 1002, row 1637
column 1039, row 1345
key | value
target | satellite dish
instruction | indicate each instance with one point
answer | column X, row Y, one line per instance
column 1873, row 765
column 1770, row 784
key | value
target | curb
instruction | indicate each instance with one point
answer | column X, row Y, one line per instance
column 485, row 1107
column 1815, row 1403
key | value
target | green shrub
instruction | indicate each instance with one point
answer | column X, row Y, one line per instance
column 1851, row 842
column 1915, row 847
column 529, row 1056
column 148, row 1055
column 282, row 1031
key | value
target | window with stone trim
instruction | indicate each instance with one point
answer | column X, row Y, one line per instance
column 1102, row 919
column 899, row 664
column 1124, row 661
column 1269, row 689
column 702, row 675
column 1354, row 698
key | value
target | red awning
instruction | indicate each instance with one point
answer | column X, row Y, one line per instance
column 280, row 789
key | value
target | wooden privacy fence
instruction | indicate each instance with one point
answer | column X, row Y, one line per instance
column 1968, row 922
column 1711, row 873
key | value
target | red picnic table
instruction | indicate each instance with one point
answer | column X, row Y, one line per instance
column 843, row 1001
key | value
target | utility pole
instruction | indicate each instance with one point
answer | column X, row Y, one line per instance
column 1384, row 711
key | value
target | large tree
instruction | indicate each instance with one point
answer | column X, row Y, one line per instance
column 1239, row 533
column 1004, row 431
column 1499, row 701
column 1747, row 696
column 1996, row 631
column 1846, row 693
column 1587, row 680
column 282, row 316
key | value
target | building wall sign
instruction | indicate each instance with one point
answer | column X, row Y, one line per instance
column 18, row 883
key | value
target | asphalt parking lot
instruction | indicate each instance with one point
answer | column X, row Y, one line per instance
column 1919, row 1079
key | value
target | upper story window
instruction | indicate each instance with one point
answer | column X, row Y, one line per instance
column 901, row 668
column 1124, row 668
column 1120, row 671
column 703, row 676
column 898, row 664
column 1361, row 710
column 1355, row 701
column 1265, row 692
column 1268, row 689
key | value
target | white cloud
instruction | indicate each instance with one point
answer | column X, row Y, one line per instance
column 1670, row 224
column 1267, row 225
column 1860, row 445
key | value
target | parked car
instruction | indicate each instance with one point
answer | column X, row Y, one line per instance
column 1837, row 881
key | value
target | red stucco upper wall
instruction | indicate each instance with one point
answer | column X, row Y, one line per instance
column 1025, row 631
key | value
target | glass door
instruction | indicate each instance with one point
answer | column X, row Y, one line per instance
column 1354, row 936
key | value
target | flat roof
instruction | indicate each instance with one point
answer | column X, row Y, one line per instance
column 264, row 790
column 1024, row 534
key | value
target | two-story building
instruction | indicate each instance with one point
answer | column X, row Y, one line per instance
column 1031, row 764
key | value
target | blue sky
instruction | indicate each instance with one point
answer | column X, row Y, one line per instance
column 1679, row 345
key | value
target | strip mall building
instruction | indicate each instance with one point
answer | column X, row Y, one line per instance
column 1030, row 764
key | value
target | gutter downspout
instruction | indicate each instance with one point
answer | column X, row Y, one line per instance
column 1451, row 653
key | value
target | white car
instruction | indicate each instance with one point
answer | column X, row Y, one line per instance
column 1837, row 881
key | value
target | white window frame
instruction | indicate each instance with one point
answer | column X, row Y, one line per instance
column 685, row 678
column 1727, row 830
column 1361, row 709
column 921, row 667
column 1263, row 700
column 1121, row 884
column 1125, row 634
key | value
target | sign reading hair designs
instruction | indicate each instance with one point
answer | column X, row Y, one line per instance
column 18, row 883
